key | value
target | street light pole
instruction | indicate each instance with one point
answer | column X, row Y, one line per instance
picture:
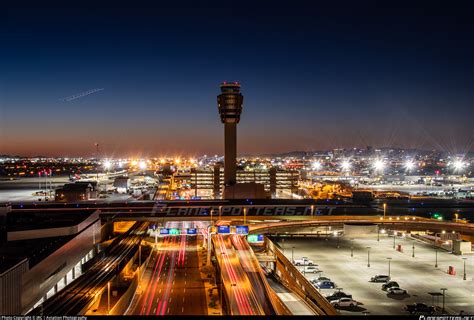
column 108, row 297
column 389, row 259
column 464, row 273
column 378, row 233
column 352, row 247
column 368, row 257
column 413, row 252
column 443, row 289
column 394, row 234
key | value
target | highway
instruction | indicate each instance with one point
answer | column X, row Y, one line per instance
column 173, row 282
column 238, row 288
column 74, row 298
column 252, row 268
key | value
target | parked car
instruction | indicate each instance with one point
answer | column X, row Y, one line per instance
column 309, row 269
column 303, row 261
column 344, row 302
column 390, row 284
column 325, row 285
column 380, row 278
column 396, row 290
column 338, row 295
column 420, row 308
column 316, row 280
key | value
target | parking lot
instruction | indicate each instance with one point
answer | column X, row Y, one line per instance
column 417, row 275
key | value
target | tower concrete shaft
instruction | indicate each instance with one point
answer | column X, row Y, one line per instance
column 229, row 103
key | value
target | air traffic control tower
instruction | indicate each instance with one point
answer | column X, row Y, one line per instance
column 229, row 103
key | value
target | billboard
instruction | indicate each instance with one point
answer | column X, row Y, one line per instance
column 164, row 231
column 242, row 229
column 191, row 231
column 223, row 229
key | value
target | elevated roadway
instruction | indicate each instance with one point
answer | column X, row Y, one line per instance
column 240, row 296
column 413, row 223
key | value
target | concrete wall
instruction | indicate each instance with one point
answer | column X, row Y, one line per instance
column 297, row 283
column 43, row 276
column 353, row 230
column 462, row 247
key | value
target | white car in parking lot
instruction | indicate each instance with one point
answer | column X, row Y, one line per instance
column 309, row 269
column 303, row 261
column 396, row 290
column 344, row 302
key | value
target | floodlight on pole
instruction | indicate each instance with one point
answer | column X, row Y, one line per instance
column 379, row 165
column 346, row 165
column 316, row 165
column 409, row 165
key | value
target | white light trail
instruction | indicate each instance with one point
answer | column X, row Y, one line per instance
column 82, row 94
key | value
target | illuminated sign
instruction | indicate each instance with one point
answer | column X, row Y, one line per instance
column 255, row 238
column 242, row 229
column 191, row 231
column 164, row 231
column 175, row 231
column 223, row 229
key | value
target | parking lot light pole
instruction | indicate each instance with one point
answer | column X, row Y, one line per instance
column 443, row 289
column 108, row 297
column 436, row 257
column 394, row 235
column 464, row 273
column 352, row 247
column 389, row 259
column 368, row 257
column 378, row 233
column 413, row 251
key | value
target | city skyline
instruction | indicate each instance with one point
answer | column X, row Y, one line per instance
column 143, row 81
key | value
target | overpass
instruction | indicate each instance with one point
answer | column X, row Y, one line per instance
column 409, row 223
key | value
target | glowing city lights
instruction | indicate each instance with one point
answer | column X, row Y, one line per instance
column 459, row 165
column 409, row 165
column 317, row 165
column 346, row 165
column 107, row 164
column 142, row 165
column 379, row 165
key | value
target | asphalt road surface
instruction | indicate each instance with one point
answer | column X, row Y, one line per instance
column 175, row 286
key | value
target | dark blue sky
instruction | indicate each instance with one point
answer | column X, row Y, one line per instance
column 313, row 77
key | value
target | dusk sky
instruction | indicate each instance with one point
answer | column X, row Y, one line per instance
column 313, row 78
